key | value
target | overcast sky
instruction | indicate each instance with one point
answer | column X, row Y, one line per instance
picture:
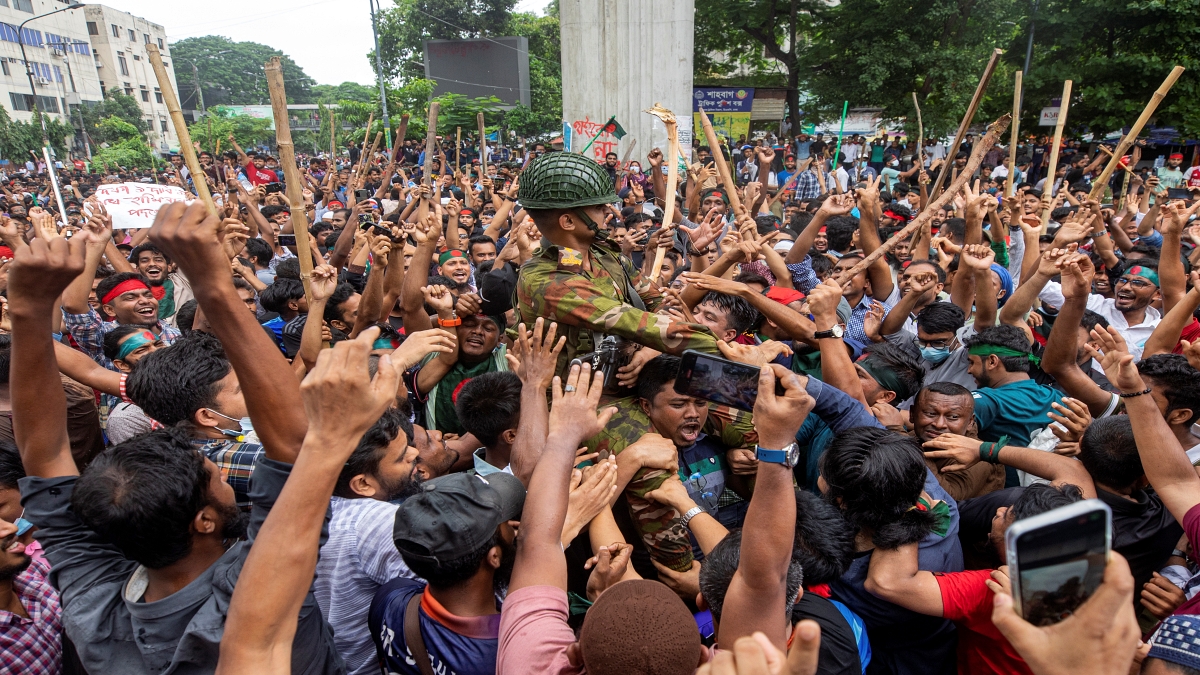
column 329, row 39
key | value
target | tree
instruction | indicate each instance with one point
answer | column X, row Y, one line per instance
column 544, row 114
column 1117, row 53
column 862, row 52
column 759, row 35
column 346, row 91
column 115, row 104
column 246, row 130
column 126, row 146
column 231, row 73
column 18, row 139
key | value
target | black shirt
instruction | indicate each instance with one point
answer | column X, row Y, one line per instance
column 839, row 648
column 1144, row 531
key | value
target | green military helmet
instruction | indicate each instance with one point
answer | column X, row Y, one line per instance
column 564, row 180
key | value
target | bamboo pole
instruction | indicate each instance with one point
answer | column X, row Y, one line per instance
column 966, row 122
column 722, row 166
column 1052, row 167
column 332, row 141
column 668, row 119
column 430, row 142
column 981, row 148
column 482, row 147
column 369, row 157
column 362, row 154
column 181, row 130
column 401, row 132
column 1101, row 182
column 1105, row 150
column 920, row 135
column 457, row 150
column 291, row 174
column 1012, row 144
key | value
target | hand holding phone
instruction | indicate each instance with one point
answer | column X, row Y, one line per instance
column 1056, row 559
column 719, row 380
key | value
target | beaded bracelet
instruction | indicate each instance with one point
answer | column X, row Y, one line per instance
column 1136, row 393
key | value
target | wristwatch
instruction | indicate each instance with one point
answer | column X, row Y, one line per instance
column 835, row 332
column 454, row 320
column 691, row 513
column 789, row 456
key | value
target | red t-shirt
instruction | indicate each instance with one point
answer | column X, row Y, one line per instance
column 1191, row 527
column 1191, row 333
column 967, row 601
column 258, row 176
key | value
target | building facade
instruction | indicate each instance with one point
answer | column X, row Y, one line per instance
column 64, row 71
column 119, row 42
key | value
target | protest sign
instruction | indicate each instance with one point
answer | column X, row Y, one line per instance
column 134, row 205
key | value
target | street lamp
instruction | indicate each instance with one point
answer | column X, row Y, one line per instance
column 33, row 89
column 387, row 123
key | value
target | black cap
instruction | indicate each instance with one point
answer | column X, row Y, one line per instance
column 455, row 515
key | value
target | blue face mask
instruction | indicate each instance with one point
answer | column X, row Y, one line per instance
column 935, row 355
column 23, row 526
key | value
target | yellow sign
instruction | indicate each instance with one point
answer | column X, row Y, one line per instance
column 727, row 125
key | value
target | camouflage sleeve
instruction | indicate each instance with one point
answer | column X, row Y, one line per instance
column 651, row 294
column 734, row 427
column 574, row 300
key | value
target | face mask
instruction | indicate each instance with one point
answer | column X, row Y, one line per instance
column 23, row 526
column 635, row 169
column 245, row 426
column 935, row 355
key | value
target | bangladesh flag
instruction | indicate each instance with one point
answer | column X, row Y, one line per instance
column 612, row 126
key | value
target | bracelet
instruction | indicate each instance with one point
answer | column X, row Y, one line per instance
column 691, row 513
column 1176, row 553
column 990, row 452
column 456, row 321
column 1135, row 394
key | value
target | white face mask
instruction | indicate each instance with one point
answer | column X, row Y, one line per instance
column 634, row 168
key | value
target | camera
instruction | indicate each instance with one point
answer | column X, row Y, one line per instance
column 273, row 187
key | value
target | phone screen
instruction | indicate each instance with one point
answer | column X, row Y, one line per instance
column 1059, row 564
column 1179, row 193
column 287, row 240
column 718, row 380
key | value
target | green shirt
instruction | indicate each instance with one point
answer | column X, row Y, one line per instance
column 1016, row 410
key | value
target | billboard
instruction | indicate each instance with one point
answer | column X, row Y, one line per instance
column 722, row 99
column 482, row 67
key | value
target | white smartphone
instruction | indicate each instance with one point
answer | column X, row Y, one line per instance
column 1056, row 560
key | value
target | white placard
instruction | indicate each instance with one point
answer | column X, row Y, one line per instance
column 133, row 206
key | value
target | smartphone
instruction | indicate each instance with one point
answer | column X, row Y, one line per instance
column 719, row 380
column 287, row 240
column 1056, row 560
column 445, row 201
column 1179, row 193
column 365, row 220
column 381, row 230
column 273, row 187
column 362, row 195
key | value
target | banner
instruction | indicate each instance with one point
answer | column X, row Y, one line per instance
column 730, row 126
column 722, row 99
column 133, row 206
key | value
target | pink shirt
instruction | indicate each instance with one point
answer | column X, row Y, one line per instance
column 534, row 634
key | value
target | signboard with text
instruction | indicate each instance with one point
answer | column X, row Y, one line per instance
column 1049, row 117
column 722, row 99
column 133, row 206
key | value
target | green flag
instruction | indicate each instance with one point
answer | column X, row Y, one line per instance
column 613, row 127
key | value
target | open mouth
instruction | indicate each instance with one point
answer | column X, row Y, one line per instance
column 147, row 312
column 689, row 431
column 13, row 546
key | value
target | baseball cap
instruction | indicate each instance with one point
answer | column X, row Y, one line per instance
column 453, row 516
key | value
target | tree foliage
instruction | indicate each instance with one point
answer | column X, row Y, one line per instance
column 234, row 77
column 125, row 145
column 18, row 139
column 221, row 121
column 1117, row 52
column 115, row 104
column 346, row 91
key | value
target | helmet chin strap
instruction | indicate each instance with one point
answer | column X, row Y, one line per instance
column 591, row 224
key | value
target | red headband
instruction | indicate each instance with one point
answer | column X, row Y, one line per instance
column 123, row 287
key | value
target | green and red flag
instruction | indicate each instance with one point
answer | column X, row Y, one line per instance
column 612, row 126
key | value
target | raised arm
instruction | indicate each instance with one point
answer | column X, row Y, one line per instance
column 371, row 307
column 573, row 418
column 412, row 300
column 36, row 277
column 1170, row 264
column 341, row 401
column 965, row 452
column 81, row 368
column 190, row 236
column 868, row 238
column 1167, row 333
column 1060, row 357
column 533, row 358
column 757, row 595
column 837, row 370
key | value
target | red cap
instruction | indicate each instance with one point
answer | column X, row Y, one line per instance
column 784, row 296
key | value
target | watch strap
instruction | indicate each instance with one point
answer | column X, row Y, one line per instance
column 691, row 513
column 823, row 334
column 772, row 456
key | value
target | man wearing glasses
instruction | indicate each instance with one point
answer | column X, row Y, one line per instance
column 1130, row 309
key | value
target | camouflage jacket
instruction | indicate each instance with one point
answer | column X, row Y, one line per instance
column 658, row 525
column 553, row 284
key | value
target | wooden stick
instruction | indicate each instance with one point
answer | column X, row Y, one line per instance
column 1012, row 144
column 1101, row 182
column 482, row 147
column 366, row 164
column 430, row 141
column 362, row 154
column 920, row 135
column 966, row 122
column 981, row 148
column 181, row 130
column 1052, row 167
column 722, row 167
column 332, row 141
column 287, row 160
column 457, row 149
column 1105, row 150
column 668, row 118
column 401, row 132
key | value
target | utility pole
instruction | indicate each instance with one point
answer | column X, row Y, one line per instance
column 199, row 91
column 387, row 123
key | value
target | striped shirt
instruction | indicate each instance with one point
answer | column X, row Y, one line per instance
column 32, row 645
column 89, row 331
column 355, row 561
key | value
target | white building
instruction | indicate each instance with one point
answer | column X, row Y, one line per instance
column 61, row 56
column 119, row 41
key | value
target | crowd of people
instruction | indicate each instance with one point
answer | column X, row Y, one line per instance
column 457, row 442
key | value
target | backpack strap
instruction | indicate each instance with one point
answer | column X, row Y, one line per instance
column 412, row 635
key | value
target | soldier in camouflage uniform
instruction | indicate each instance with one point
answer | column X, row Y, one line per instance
column 579, row 280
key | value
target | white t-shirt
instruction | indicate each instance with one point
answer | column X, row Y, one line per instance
column 1135, row 336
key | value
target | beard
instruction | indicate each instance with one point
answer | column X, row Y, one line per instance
column 10, row 572
column 234, row 522
column 399, row 490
